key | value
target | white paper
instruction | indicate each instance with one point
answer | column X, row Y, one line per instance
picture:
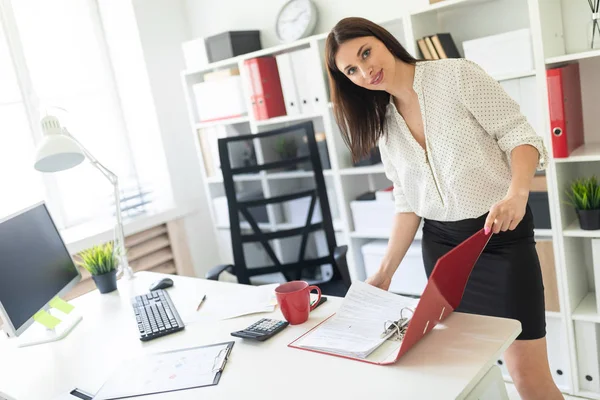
column 357, row 326
column 250, row 301
column 164, row 372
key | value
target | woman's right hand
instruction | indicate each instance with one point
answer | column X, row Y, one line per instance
column 380, row 280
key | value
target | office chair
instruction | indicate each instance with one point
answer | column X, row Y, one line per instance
column 336, row 255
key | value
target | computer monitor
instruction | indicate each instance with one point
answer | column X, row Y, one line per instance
column 35, row 267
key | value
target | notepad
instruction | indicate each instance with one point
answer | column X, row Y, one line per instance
column 356, row 329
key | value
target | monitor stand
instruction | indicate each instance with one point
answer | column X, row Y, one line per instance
column 50, row 326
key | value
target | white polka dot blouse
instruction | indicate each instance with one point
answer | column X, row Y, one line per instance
column 471, row 126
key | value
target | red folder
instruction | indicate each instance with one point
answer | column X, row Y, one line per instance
column 267, row 95
column 564, row 101
column 442, row 295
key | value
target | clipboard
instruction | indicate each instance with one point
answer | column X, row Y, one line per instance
column 167, row 371
column 441, row 296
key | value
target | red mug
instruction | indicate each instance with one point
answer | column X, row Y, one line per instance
column 294, row 300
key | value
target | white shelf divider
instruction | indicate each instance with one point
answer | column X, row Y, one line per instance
column 573, row 57
column 573, row 230
column 507, row 77
column 223, row 122
column 288, row 118
column 586, row 152
column 445, row 6
column 371, row 169
column 586, row 310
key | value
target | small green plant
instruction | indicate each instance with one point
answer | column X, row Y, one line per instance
column 584, row 194
column 99, row 259
column 286, row 147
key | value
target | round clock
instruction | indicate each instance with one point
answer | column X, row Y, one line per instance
column 296, row 19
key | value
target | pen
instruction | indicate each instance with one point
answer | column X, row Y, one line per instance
column 201, row 301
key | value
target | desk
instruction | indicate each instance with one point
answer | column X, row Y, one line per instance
column 448, row 363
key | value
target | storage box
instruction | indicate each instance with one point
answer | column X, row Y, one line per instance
column 296, row 211
column 220, row 99
column 230, row 44
column 558, row 353
column 410, row 278
column 373, row 216
column 222, row 210
column 540, row 208
column 506, row 53
column 194, row 54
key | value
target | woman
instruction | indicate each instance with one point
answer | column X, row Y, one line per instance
column 461, row 156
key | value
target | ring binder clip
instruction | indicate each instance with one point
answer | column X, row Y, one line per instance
column 396, row 329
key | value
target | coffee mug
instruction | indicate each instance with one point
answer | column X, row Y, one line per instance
column 294, row 300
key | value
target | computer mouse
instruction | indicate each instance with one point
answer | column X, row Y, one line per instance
column 162, row 284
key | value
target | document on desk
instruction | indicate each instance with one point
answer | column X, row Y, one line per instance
column 356, row 329
column 251, row 300
column 167, row 372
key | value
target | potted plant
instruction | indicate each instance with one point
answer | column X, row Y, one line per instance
column 101, row 262
column 584, row 196
column 286, row 148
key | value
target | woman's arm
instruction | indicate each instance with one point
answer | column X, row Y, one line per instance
column 506, row 214
column 403, row 233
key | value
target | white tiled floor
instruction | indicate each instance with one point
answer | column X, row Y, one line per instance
column 514, row 395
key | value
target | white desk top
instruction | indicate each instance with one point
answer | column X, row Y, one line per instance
column 446, row 364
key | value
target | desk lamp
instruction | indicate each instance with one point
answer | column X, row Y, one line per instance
column 59, row 151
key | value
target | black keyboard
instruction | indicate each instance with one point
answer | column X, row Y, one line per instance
column 156, row 315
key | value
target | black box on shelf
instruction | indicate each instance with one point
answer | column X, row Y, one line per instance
column 540, row 208
column 373, row 158
column 232, row 43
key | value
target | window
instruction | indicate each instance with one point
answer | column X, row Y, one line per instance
column 20, row 183
column 68, row 72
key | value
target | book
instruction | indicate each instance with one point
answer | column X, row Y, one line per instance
column 445, row 46
column 424, row 50
column 431, row 47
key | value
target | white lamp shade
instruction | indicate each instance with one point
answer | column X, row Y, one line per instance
column 57, row 152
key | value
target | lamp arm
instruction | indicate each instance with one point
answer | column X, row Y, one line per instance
column 114, row 180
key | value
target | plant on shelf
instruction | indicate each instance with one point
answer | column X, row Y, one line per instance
column 584, row 196
column 101, row 262
column 286, row 148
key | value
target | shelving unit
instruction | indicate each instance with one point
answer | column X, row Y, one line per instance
column 558, row 36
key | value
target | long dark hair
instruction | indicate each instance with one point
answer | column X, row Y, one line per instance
column 359, row 112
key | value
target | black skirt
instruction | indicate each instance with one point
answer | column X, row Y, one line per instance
column 506, row 280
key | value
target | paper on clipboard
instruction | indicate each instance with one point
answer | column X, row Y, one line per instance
column 166, row 372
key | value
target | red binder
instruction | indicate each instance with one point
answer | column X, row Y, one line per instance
column 267, row 95
column 564, row 102
column 441, row 297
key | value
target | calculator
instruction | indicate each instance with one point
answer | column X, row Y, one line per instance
column 262, row 330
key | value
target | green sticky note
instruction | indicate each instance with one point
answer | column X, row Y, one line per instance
column 61, row 305
column 46, row 319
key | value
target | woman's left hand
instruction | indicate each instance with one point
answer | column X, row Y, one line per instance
column 507, row 213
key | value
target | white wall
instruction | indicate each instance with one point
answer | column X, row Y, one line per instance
column 207, row 18
column 162, row 25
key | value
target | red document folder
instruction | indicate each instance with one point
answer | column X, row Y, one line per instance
column 442, row 295
column 564, row 101
column 267, row 95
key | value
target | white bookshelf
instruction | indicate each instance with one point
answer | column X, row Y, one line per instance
column 558, row 37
